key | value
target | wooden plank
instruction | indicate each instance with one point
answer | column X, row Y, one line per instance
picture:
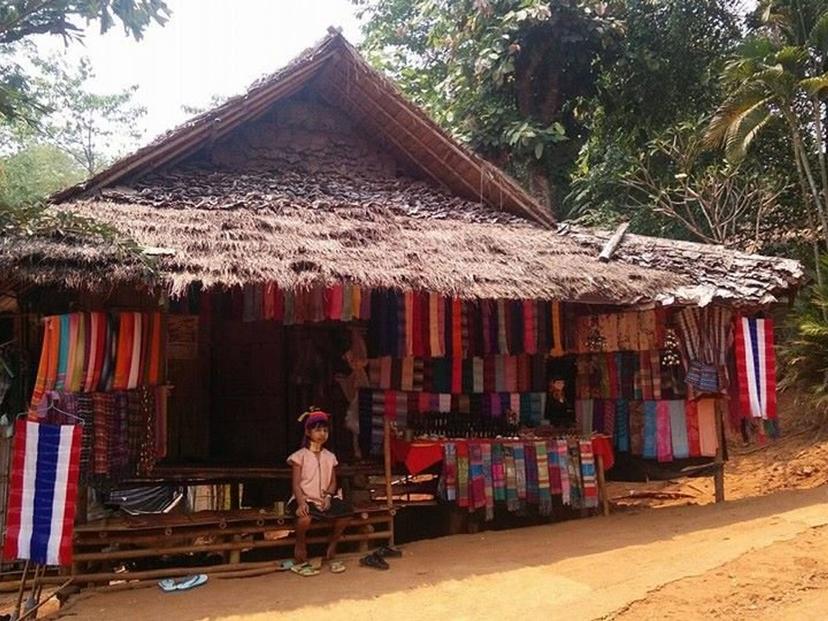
column 613, row 242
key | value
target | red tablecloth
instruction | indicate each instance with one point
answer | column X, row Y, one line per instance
column 420, row 455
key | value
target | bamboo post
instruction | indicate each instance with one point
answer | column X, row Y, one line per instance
column 386, row 449
column 16, row 614
column 718, row 474
column 602, row 485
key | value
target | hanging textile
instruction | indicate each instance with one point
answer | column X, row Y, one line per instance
column 88, row 352
column 43, row 493
column 756, row 367
column 706, row 337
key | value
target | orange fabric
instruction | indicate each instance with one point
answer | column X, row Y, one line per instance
column 557, row 348
column 123, row 353
column 54, row 350
column 43, row 365
column 101, row 325
column 80, row 353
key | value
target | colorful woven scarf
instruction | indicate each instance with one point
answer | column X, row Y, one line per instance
column 520, row 471
column 476, row 476
column 622, row 426
column 488, row 476
column 104, row 413
column 554, row 467
column 664, row 436
column 589, row 479
column 564, row 468
column 678, row 429
column 512, row 500
column 691, row 414
column 450, row 471
column 463, row 474
column 576, row 492
column 544, row 492
column 531, row 461
column 650, row 450
column 636, row 427
column 498, row 472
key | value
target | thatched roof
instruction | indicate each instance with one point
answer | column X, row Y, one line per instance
column 338, row 178
column 225, row 228
column 345, row 79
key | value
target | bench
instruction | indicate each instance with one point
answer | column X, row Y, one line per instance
column 110, row 542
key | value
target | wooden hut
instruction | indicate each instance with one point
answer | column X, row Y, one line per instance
column 320, row 241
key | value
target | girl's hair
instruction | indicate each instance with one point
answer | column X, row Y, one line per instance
column 313, row 419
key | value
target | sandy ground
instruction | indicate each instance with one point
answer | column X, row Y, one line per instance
column 755, row 558
column 761, row 555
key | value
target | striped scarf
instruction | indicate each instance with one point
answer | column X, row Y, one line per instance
column 476, row 476
column 488, row 476
column 531, row 461
column 554, row 468
column 650, row 430
column 622, row 425
column 544, row 492
column 589, row 479
column 462, row 474
column 498, row 472
column 520, row 471
column 512, row 500
column 450, row 471
column 564, row 467
column 574, row 467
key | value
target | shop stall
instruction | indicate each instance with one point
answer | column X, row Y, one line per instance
column 319, row 241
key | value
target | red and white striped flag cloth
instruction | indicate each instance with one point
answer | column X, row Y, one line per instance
column 755, row 367
column 43, row 492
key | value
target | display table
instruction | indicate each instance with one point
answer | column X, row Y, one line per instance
column 419, row 455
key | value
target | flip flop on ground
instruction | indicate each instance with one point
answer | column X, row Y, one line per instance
column 373, row 560
column 305, row 570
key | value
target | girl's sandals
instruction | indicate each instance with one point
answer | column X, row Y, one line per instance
column 388, row 552
column 337, row 567
column 373, row 560
column 305, row 570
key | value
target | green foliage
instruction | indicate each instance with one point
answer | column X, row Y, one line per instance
column 503, row 76
column 90, row 127
column 33, row 173
column 666, row 74
column 21, row 19
column 804, row 353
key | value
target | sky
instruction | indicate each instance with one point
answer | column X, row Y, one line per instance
column 208, row 47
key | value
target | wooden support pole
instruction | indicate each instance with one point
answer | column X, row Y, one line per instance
column 602, row 484
column 386, row 449
column 718, row 474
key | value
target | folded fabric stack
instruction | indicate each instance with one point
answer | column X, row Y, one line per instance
column 478, row 474
column 477, row 375
column 89, row 352
column 663, row 430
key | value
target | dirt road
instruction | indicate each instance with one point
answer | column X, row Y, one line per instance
column 747, row 559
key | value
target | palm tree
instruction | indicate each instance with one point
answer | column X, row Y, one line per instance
column 779, row 75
